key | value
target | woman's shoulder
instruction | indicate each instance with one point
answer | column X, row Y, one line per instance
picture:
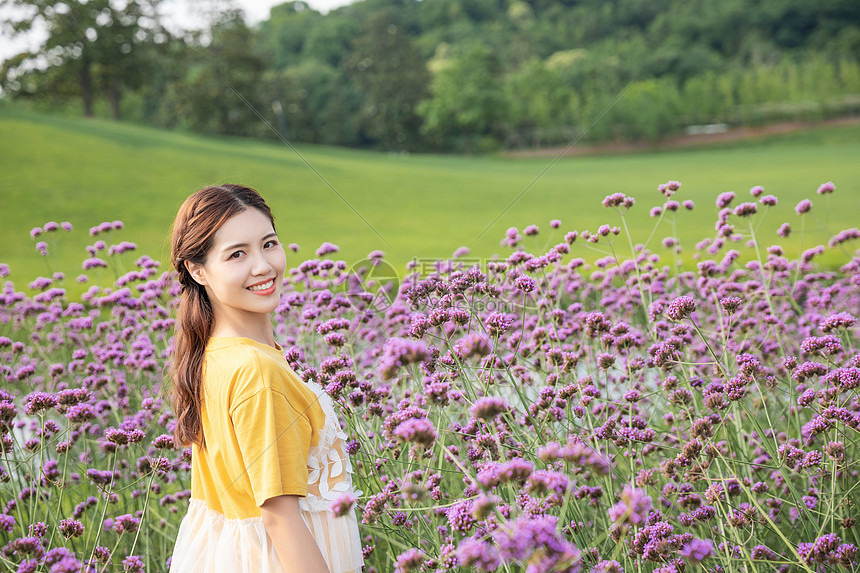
column 250, row 366
column 241, row 352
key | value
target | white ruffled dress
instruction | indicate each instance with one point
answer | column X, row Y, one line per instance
column 208, row 542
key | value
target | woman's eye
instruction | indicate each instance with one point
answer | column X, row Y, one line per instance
column 270, row 244
column 236, row 255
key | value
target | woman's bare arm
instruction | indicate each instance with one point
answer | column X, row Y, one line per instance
column 294, row 544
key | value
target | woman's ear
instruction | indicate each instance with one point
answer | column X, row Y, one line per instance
column 196, row 272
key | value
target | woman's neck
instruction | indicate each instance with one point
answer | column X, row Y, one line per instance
column 258, row 330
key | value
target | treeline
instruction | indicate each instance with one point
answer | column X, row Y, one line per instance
column 456, row 75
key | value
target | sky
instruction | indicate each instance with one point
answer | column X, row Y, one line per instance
column 178, row 14
column 255, row 10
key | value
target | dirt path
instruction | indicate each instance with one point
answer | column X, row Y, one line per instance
column 680, row 141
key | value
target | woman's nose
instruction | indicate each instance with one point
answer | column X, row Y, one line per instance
column 262, row 266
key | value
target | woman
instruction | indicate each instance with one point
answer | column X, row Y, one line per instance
column 268, row 453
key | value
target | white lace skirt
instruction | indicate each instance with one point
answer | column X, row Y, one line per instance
column 208, row 542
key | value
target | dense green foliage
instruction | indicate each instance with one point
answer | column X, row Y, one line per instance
column 452, row 74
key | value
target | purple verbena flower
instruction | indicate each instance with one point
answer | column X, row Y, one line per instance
column 399, row 352
column 828, row 187
column 525, row 536
column 125, row 524
column 681, row 308
column 343, row 504
column 39, row 402
column 410, row 560
column 488, row 407
column 417, row 430
column 725, row 199
column 498, row 323
column 697, row 550
column 525, row 283
column 844, row 236
column 133, row 564
column 608, row 566
column 71, row 528
column 326, row 248
column 475, row 554
column 633, row 507
column 614, row 200
column 7, row 522
column 542, row 481
column 745, row 210
column 731, row 304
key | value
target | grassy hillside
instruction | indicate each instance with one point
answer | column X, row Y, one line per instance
column 89, row 171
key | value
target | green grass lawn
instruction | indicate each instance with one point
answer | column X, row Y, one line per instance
column 419, row 206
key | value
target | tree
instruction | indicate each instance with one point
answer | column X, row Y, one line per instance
column 467, row 98
column 94, row 41
column 282, row 37
column 392, row 76
column 330, row 40
column 537, row 96
column 120, row 59
column 222, row 75
column 318, row 103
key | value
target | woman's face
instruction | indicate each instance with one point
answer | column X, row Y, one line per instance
column 244, row 270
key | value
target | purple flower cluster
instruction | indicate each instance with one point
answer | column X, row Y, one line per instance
column 133, row 564
column 697, row 550
column 577, row 454
column 489, row 407
column 828, row 549
column 418, row 431
column 479, row 555
column 681, row 308
column 481, row 420
column 837, row 321
column 537, row 540
column 632, row 508
column 343, row 504
column 124, row 523
column 525, row 283
column 618, row 200
column 498, row 323
column 399, row 352
column 71, row 528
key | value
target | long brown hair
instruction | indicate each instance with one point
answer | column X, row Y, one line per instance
column 198, row 219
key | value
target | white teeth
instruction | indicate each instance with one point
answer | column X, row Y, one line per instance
column 263, row 286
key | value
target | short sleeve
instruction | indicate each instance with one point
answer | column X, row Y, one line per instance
column 275, row 441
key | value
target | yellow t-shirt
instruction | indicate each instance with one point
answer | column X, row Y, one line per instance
column 260, row 421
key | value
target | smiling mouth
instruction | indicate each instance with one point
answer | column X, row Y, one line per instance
column 263, row 286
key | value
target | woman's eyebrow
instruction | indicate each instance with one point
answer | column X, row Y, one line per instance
column 241, row 245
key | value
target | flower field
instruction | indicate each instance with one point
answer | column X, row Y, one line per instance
column 593, row 406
